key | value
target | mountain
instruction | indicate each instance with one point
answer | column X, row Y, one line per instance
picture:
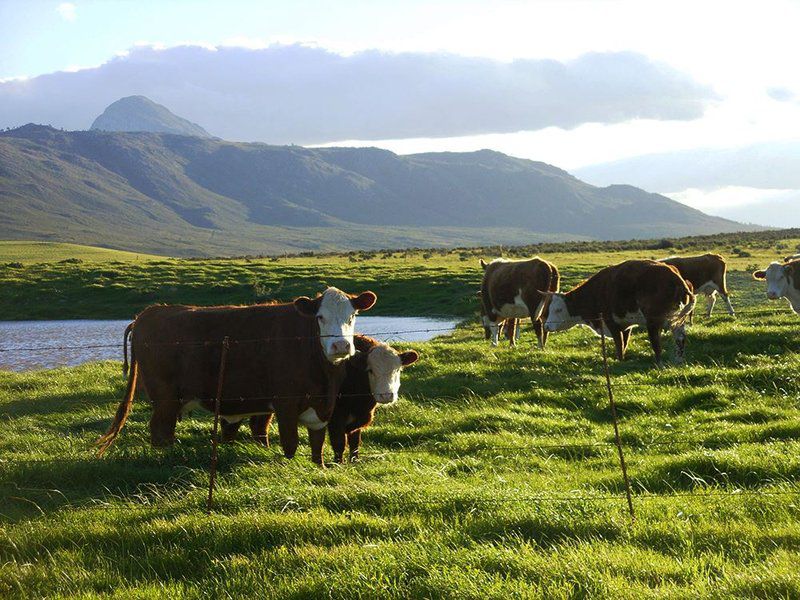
column 185, row 195
column 137, row 113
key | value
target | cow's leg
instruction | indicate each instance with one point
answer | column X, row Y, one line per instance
column 317, row 439
column 259, row 428
column 727, row 300
column 616, row 334
column 337, row 436
column 494, row 331
column 711, row 299
column 287, row 430
column 679, row 335
column 541, row 333
column 654, row 333
column 166, row 408
column 511, row 331
column 354, row 442
column 229, row 430
column 626, row 338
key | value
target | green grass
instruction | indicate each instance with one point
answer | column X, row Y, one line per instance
column 408, row 282
column 493, row 476
column 38, row 252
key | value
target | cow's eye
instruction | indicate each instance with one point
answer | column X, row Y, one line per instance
column 320, row 318
column 369, row 371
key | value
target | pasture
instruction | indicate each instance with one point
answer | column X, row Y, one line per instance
column 495, row 475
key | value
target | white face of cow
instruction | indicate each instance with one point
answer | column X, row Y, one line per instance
column 779, row 284
column 777, row 279
column 558, row 317
column 384, row 366
column 336, row 317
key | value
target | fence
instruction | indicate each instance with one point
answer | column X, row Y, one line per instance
column 606, row 384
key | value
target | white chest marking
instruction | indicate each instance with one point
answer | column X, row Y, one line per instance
column 518, row 310
column 310, row 419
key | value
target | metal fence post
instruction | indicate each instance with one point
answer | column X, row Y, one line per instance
column 215, row 434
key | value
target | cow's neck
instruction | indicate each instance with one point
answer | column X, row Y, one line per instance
column 581, row 305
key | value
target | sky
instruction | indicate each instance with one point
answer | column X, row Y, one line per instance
column 593, row 87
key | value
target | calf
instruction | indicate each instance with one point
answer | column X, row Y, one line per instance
column 783, row 281
column 287, row 358
column 708, row 275
column 514, row 290
column 373, row 378
column 618, row 298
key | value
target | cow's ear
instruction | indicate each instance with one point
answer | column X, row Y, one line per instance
column 484, row 264
column 409, row 357
column 760, row 275
column 364, row 301
column 306, row 306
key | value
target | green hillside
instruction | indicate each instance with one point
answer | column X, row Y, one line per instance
column 189, row 196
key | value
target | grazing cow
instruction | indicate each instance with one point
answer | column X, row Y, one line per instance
column 783, row 281
column 289, row 358
column 373, row 377
column 708, row 275
column 515, row 289
column 636, row 292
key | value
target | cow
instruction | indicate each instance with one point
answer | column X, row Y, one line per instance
column 515, row 289
column 708, row 275
column 372, row 378
column 288, row 358
column 783, row 281
column 791, row 258
column 618, row 298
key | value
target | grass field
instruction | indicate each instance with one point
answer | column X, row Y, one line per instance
column 494, row 475
column 38, row 252
column 408, row 283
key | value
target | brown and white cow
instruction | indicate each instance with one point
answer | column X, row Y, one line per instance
column 287, row 358
column 634, row 293
column 783, row 281
column 708, row 275
column 373, row 378
column 515, row 289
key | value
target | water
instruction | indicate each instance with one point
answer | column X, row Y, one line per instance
column 102, row 340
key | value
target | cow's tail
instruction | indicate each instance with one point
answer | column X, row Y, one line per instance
column 125, row 337
column 123, row 410
column 685, row 296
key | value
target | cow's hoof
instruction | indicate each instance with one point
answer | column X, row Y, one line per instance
column 354, row 458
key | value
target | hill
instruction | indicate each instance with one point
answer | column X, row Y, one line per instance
column 183, row 195
column 138, row 113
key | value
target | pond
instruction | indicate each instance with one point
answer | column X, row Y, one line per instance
column 102, row 340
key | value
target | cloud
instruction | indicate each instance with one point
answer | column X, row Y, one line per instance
column 301, row 94
column 67, row 10
column 767, row 165
column 775, row 208
column 781, row 94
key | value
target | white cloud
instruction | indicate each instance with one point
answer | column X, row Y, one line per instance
column 771, row 207
column 67, row 10
column 304, row 94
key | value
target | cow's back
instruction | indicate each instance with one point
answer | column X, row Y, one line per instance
column 699, row 270
column 273, row 351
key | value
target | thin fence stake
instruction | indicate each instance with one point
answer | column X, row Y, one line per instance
column 613, row 405
column 215, row 435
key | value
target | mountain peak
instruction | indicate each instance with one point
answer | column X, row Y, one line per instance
column 139, row 113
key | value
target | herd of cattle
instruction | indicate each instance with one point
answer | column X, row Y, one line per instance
column 303, row 362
